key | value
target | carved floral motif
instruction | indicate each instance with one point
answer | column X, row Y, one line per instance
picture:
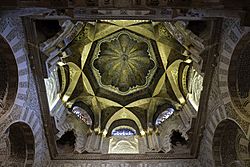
column 124, row 62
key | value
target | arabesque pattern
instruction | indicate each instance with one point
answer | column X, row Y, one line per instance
column 124, row 62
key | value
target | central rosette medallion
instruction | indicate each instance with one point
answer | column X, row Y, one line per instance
column 124, row 62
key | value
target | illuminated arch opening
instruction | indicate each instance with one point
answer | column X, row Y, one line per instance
column 123, row 140
column 121, row 125
column 123, row 137
column 162, row 117
column 123, row 131
column 124, row 114
column 84, row 113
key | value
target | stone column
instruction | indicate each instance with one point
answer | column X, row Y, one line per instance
column 152, row 140
column 94, row 142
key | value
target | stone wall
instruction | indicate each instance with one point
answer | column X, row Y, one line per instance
column 220, row 102
column 110, row 163
column 26, row 106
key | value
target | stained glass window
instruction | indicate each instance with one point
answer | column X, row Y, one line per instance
column 82, row 114
column 164, row 116
column 123, row 131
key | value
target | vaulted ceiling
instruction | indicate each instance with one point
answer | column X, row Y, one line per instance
column 123, row 69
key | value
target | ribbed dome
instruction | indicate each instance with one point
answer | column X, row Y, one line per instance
column 123, row 62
